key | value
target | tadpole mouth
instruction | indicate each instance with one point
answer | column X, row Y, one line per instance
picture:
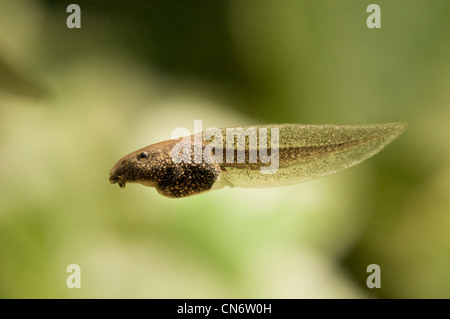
column 114, row 179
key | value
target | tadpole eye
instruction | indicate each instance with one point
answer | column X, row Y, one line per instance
column 142, row 155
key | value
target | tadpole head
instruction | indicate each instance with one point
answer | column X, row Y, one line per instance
column 136, row 167
column 146, row 166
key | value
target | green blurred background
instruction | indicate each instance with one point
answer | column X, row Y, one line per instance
column 73, row 101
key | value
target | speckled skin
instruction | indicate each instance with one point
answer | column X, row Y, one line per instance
column 311, row 151
column 305, row 152
column 158, row 170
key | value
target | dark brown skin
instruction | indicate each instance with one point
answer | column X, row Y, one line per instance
column 153, row 166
